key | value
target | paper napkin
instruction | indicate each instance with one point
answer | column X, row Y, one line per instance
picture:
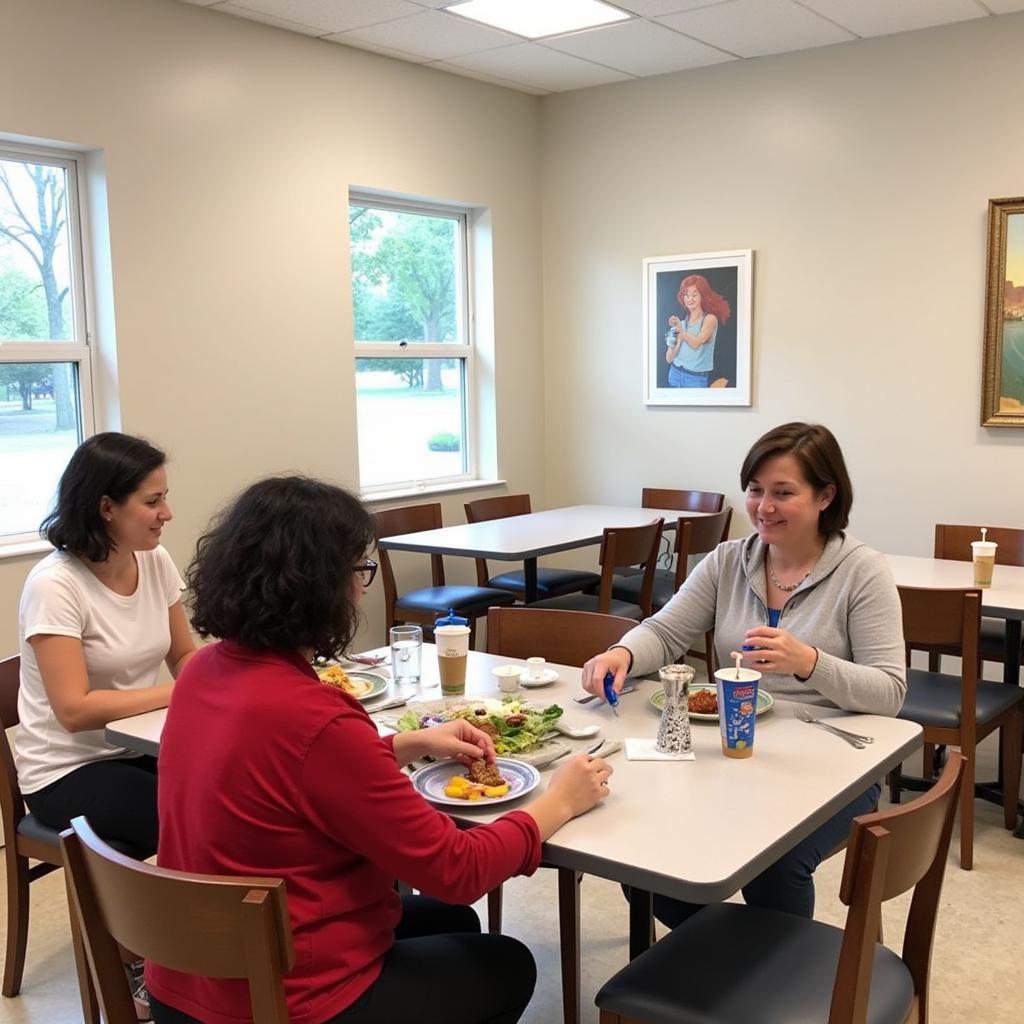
column 644, row 750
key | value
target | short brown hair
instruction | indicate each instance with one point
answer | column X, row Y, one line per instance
column 821, row 460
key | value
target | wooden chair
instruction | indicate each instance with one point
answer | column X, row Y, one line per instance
column 424, row 605
column 958, row 710
column 566, row 638
column 26, row 839
column 731, row 962
column 684, row 501
column 620, row 545
column 693, row 537
column 214, row 926
column 550, row 582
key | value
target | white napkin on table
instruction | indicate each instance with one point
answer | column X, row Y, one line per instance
column 642, row 749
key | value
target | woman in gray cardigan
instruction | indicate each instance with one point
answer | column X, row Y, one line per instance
column 816, row 609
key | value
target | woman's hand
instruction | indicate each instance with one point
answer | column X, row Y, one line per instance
column 580, row 783
column 459, row 740
column 780, row 652
column 616, row 661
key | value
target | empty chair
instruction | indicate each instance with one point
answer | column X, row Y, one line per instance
column 550, row 582
column 684, row 501
column 558, row 635
column 731, row 963
column 210, row 925
column 425, row 604
column 620, row 545
column 958, row 710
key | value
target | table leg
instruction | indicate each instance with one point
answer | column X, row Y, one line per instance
column 1011, row 652
column 641, row 910
column 530, row 580
column 569, row 934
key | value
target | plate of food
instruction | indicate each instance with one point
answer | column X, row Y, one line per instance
column 703, row 702
column 480, row 785
column 517, row 726
column 361, row 685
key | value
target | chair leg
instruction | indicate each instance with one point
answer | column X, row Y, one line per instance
column 17, row 919
column 927, row 760
column 494, row 911
column 895, row 788
column 967, row 813
column 86, row 990
column 569, row 934
column 1011, row 733
column 934, row 662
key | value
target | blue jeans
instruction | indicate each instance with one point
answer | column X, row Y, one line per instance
column 680, row 378
column 787, row 885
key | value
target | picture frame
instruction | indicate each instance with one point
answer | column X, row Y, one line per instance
column 697, row 328
column 1002, row 384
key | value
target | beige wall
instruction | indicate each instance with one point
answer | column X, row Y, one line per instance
column 228, row 150
column 859, row 175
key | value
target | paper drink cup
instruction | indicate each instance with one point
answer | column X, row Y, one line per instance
column 737, row 709
column 984, row 552
column 452, row 654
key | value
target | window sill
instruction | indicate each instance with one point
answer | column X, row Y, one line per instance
column 19, row 549
column 375, row 497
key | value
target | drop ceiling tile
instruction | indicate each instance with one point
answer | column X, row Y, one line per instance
column 882, row 17
column 638, row 48
column 202, row 3
column 1004, row 6
column 479, row 76
column 539, row 67
column 755, row 28
column 384, row 51
column 433, row 35
column 653, row 8
column 241, row 11
column 334, row 15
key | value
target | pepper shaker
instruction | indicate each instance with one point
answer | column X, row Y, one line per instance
column 674, row 730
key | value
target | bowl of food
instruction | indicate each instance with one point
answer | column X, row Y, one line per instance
column 703, row 702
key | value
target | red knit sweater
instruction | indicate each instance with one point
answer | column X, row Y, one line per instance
column 264, row 770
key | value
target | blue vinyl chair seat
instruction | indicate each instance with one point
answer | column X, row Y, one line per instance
column 627, row 588
column 550, row 582
column 589, row 603
column 731, row 964
column 934, row 699
column 462, row 598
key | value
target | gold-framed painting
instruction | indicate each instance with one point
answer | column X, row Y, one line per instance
column 1002, row 386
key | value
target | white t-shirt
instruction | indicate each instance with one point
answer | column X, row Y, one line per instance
column 124, row 640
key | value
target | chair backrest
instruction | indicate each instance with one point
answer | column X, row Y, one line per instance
column 954, row 543
column 629, row 545
column 699, row 535
column 210, row 925
column 890, row 852
column 565, row 637
column 407, row 519
column 684, row 501
column 502, row 507
column 12, row 808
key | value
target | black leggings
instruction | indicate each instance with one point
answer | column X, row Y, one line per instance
column 117, row 797
column 440, row 970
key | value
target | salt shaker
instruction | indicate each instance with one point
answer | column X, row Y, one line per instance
column 674, row 731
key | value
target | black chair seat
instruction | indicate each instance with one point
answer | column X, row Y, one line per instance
column 934, row 699
column 732, row 964
column 627, row 588
column 589, row 603
column 462, row 599
column 550, row 582
column 31, row 828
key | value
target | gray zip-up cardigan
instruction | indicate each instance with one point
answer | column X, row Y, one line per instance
column 848, row 608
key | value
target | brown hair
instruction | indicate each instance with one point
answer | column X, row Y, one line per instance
column 821, row 460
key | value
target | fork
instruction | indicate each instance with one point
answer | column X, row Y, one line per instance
column 588, row 697
column 590, row 751
column 853, row 738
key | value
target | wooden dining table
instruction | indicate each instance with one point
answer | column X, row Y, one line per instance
column 694, row 830
column 528, row 537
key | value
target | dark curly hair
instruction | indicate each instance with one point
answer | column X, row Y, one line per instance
column 108, row 465
column 274, row 571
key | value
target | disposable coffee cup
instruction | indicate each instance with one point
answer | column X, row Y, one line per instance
column 452, row 654
column 984, row 552
column 737, row 709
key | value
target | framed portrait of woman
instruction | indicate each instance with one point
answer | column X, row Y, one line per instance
column 1002, row 389
column 696, row 328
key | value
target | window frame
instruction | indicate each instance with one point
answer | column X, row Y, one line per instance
column 79, row 350
column 460, row 351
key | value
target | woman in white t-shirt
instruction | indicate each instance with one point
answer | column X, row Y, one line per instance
column 97, row 618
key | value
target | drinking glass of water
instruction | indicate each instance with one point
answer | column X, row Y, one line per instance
column 406, row 656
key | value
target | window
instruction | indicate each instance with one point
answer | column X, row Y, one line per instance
column 413, row 349
column 45, row 378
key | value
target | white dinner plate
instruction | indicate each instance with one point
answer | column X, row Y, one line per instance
column 430, row 781
column 764, row 701
column 377, row 684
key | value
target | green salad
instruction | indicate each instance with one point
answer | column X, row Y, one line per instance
column 515, row 725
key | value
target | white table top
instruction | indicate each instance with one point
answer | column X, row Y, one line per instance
column 528, row 536
column 1004, row 599
column 696, row 830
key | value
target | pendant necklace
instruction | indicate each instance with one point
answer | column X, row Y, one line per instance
column 786, row 589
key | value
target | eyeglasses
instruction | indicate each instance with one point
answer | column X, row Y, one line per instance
column 367, row 571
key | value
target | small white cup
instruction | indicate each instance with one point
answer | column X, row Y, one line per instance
column 508, row 677
column 535, row 668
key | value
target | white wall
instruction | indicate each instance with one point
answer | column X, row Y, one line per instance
column 228, row 149
column 860, row 176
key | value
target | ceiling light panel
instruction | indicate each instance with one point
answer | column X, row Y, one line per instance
column 537, row 18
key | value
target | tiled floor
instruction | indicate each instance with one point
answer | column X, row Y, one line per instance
column 977, row 957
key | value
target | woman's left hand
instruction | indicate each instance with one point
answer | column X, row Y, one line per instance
column 780, row 652
column 459, row 740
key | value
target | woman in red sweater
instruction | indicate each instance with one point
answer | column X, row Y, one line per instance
column 264, row 770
